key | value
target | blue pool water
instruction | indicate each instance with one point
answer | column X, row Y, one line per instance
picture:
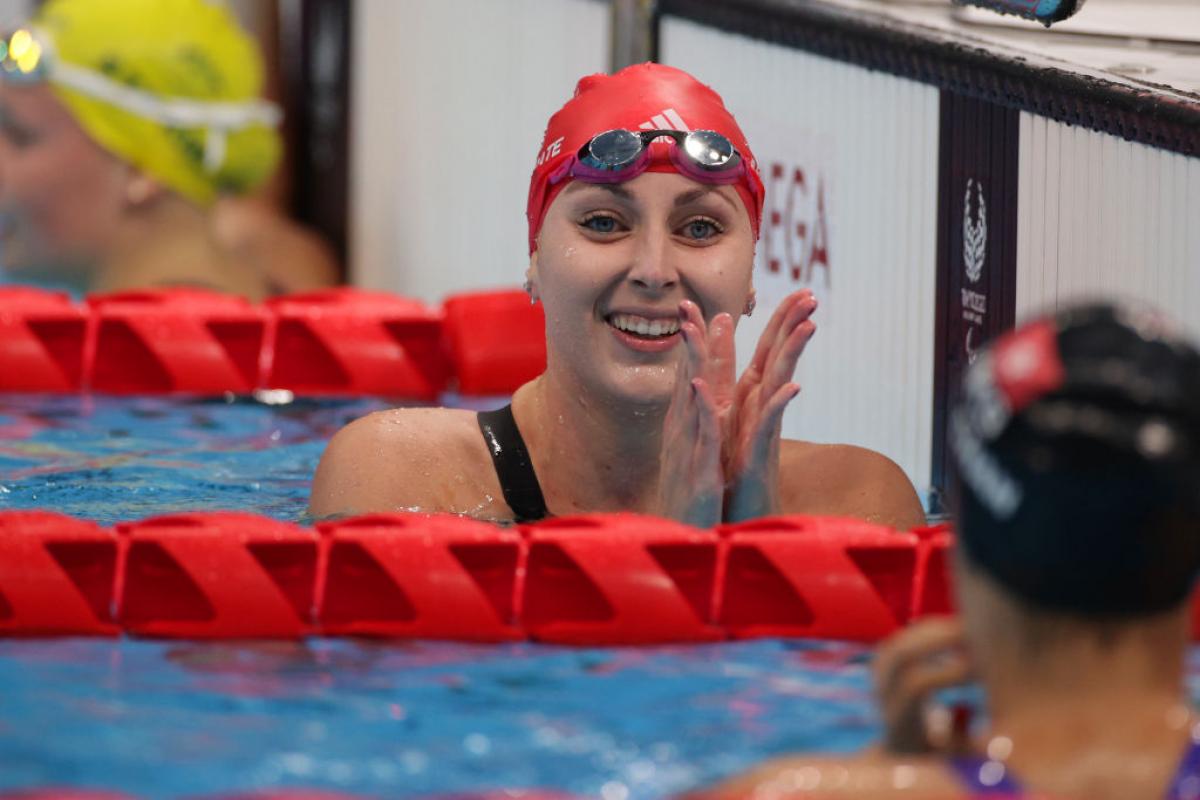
column 403, row 720
column 109, row 459
column 167, row 719
column 382, row 719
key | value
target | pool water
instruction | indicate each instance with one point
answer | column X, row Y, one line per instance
column 165, row 719
column 168, row 719
column 110, row 459
column 394, row 719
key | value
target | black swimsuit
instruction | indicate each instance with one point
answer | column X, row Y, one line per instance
column 513, row 466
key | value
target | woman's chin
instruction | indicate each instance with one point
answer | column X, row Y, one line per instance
column 648, row 386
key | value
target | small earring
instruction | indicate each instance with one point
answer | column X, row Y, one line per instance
column 528, row 287
column 749, row 307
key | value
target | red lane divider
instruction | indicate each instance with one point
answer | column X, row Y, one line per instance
column 347, row 341
column 222, row 575
column 183, row 340
column 619, row 579
column 415, row 576
column 816, row 577
column 600, row 579
column 334, row 342
column 57, row 576
column 41, row 341
column 933, row 587
column 476, row 322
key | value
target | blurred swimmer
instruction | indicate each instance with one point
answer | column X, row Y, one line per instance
column 290, row 257
column 642, row 245
column 121, row 123
column 1078, row 443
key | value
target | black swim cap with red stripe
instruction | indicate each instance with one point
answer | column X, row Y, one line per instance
column 1078, row 446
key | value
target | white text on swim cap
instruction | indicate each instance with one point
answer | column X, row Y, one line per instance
column 550, row 151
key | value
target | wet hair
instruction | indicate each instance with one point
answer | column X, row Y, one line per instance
column 1078, row 448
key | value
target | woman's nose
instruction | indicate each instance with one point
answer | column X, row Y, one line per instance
column 653, row 266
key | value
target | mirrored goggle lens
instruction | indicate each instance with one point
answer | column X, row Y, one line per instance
column 709, row 149
column 613, row 150
column 22, row 57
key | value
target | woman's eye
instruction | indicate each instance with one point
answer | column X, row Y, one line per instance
column 701, row 229
column 601, row 223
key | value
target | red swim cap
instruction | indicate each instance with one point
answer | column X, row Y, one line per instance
column 647, row 97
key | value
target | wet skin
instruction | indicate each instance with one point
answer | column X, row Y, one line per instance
column 618, row 409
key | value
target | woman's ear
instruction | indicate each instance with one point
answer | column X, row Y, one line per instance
column 141, row 189
column 531, row 278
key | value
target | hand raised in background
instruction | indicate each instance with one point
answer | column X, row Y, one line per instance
column 910, row 667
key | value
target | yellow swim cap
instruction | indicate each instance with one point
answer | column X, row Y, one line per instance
column 170, row 86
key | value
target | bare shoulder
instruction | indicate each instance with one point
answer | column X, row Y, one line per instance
column 848, row 481
column 404, row 458
column 862, row 776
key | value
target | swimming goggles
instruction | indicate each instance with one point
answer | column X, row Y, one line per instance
column 620, row 155
column 27, row 58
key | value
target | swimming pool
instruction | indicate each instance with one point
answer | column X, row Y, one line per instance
column 167, row 719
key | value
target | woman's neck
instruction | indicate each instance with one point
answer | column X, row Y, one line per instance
column 604, row 453
column 171, row 243
column 1091, row 698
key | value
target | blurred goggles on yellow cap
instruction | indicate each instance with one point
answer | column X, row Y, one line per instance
column 28, row 58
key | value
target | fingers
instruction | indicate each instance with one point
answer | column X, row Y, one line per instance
column 771, row 332
column 770, row 422
column 697, row 348
column 691, row 486
column 904, row 710
column 690, row 312
column 779, row 347
column 708, row 432
column 722, row 366
column 717, row 358
column 913, row 644
column 910, row 667
column 782, row 365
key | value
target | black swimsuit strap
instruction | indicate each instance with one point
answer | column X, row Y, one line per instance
column 513, row 466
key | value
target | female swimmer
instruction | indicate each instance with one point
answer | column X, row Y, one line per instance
column 1078, row 443
column 642, row 243
column 121, row 123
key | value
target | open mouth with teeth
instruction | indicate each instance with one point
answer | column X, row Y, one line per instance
column 644, row 328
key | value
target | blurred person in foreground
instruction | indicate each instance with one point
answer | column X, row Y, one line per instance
column 122, row 124
column 1078, row 444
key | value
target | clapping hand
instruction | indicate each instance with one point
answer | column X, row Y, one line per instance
column 721, row 436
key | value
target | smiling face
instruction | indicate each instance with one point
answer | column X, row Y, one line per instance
column 613, row 264
column 61, row 194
